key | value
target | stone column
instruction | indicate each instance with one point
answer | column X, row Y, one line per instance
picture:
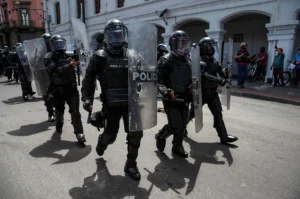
column 218, row 36
column 283, row 35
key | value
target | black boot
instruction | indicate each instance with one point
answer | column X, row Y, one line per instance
column 81, row 138
column 133, row 145
column 161, row 137
column 222, row 132
column 59, row 127
column 104, row 140
column 51, row 117
column 25, row 97
column 132, row 170
column 177, row 144
column 179, row 150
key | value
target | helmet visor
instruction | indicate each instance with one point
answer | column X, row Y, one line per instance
column 181, row 46
column 212, row 47
column 58, row 45
column 116, row 35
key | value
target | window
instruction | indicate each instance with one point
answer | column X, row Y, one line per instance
column 79, row 2
column 57, row 9
column 97, row 6
column 121, row 3
column 238, row 37
column 24, row 17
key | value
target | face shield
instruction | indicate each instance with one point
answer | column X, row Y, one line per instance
column 181, row 46
column 116, row 35
column 212, row 47
column 58, row 45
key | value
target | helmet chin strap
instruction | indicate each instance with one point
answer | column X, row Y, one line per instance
column 114, row 50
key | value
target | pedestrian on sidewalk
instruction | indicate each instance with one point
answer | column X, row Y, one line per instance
column 296, row 61
column 278, row 66
column 242, row 57
column 262, row 63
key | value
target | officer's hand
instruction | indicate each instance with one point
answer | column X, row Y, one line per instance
column 225, row 72
column 169, row 94
column 222, row 81
column 73, row 63
column 87, row 105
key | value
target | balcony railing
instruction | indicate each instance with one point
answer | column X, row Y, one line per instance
column 23, row 24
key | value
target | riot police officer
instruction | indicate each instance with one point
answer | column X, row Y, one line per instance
column 210, row 68
column 174, row 83
column 161, row 50
column 48, row 99
column 12, row 61
column 64, row 85
column 4, row 61
column 22, row 66
column 114, row 87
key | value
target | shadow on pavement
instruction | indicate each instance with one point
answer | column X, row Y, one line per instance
column 32, row 129
column 19, row 100
column 102, row 184
column 170, row 173
column 48, row 149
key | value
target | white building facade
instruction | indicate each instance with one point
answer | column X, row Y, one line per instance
column 256, row 22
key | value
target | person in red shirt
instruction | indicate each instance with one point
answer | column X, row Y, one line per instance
column 262, row 63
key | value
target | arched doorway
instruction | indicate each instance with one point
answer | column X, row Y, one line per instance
column 297, row 39
column 249, row 28
column 194, row 28
column 160, row 31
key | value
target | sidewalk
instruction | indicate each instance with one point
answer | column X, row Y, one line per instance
column 267, row 92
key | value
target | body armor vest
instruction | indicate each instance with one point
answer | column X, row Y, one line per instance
column 180, row 77
column 114, row 80
column 211, row 67
column 64, row 73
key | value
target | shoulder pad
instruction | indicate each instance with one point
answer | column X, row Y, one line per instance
column 48, row 55
column 101, row 53
column 203, row 64
column 166, row 56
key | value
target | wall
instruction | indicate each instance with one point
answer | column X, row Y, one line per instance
column 195, row 31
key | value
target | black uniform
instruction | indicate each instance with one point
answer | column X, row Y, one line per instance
column 64, row 89
column 210, row 80
column 110, row 67
column 174, row 78
column 48, row 99
column 25, row 84
column 12, row 61
column 1, row 62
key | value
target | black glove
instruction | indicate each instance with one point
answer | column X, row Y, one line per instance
column 86, row 105
column 222, row 81
column 225, row 72
column 97, row 120
column 169, row 94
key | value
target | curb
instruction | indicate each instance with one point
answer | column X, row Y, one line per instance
column 265, row 97
column 257, row 96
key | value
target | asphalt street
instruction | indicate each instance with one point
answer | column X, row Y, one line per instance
column 36, row 163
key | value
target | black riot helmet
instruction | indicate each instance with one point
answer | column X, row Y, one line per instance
column 57, row 43
column 100, row 37
column 115, row 35
column 46, row 36
column 5, row 48
column 162, row 49
column 180, row 43
column 207, row 46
